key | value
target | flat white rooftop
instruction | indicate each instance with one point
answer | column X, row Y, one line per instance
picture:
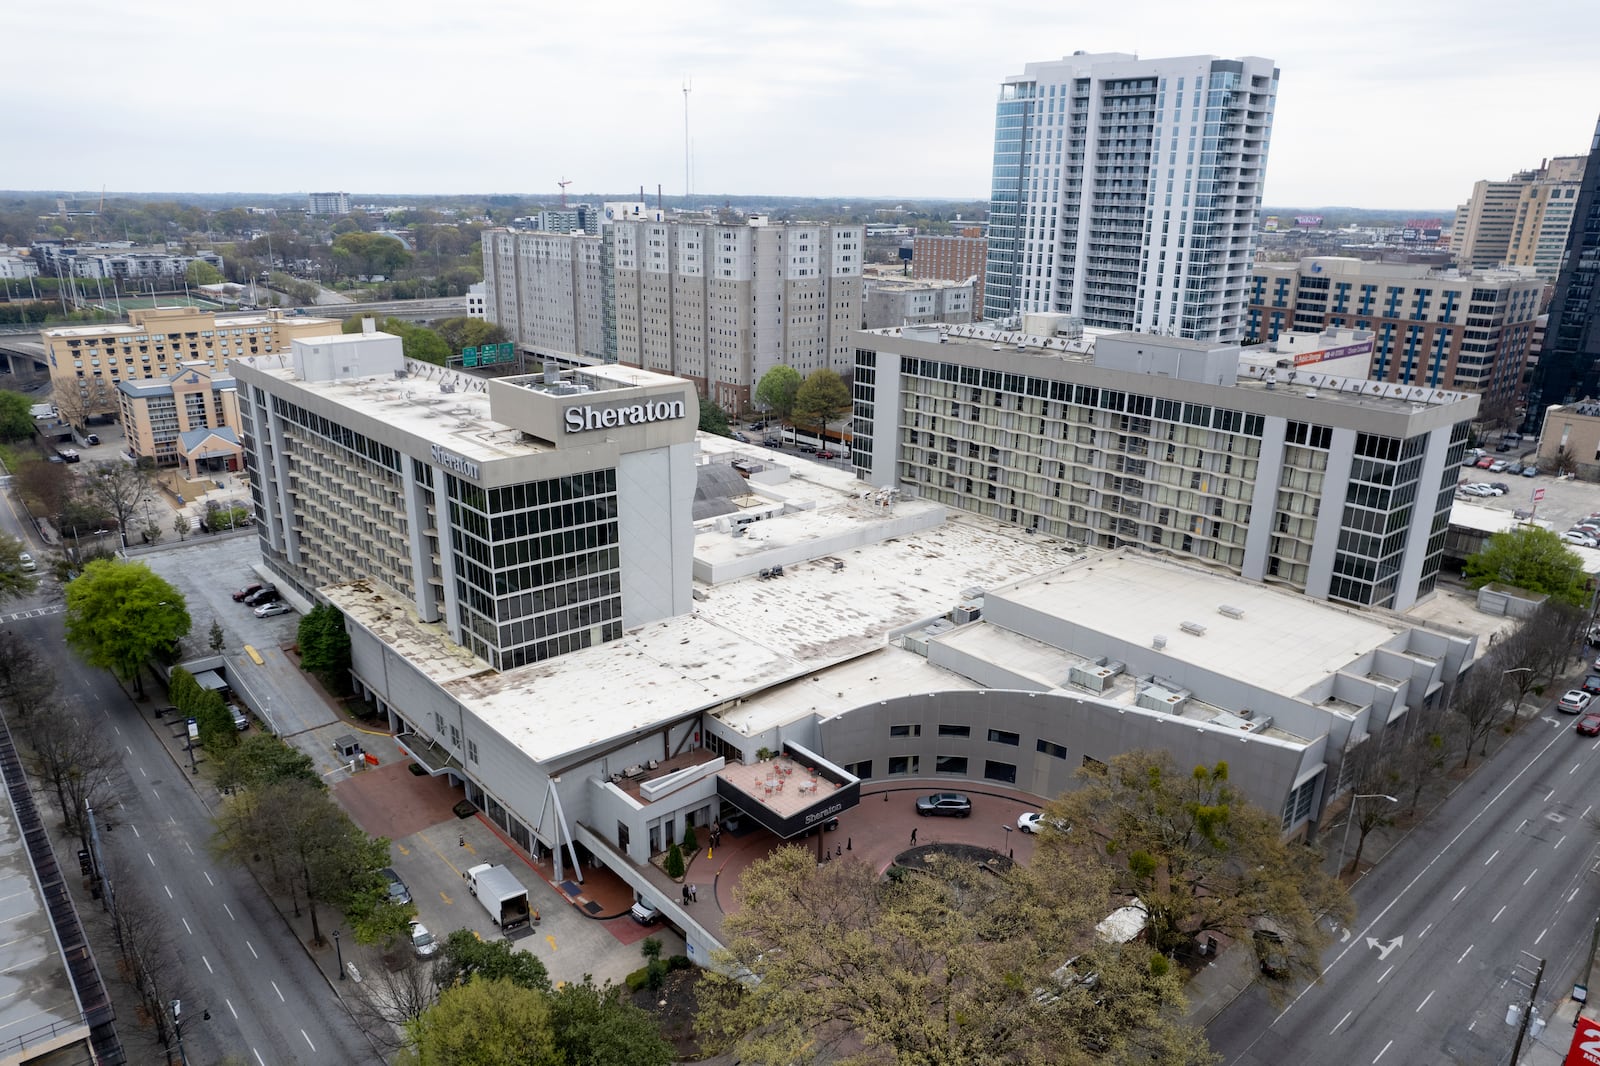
column 1282, row 642
column 158, row 326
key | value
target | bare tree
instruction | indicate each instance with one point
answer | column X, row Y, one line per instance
column 1544, row 643
column 25, row 680
column 1372, row 770
column 77, row 407
column 1427, row 749
column 149, row 962
column 77, row 765
column 390, row 998
column 119, row 488
column 1479, row 702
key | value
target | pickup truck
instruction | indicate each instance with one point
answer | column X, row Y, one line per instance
column 501, row 894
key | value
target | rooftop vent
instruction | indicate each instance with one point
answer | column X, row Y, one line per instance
column 1231, row 612
column 1158, row 642
column 1194, row 629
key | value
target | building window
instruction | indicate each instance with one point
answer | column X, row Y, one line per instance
column 438, row 724
column 949, row 764
column 905, row 731
column 1000, row 736
column 955, row 730
column 455, row 737
column 862, row 769
column 472, row 750
column 903, row 764
column 1048, row 748
column 1000, row 771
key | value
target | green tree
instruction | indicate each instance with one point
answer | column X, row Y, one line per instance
column 324, row 644
column 484, row 1023
column 1530, row 558
column 463, row 957
column 1201, row 859
column 201, row 272
column 822, row 398
column 949, row 966
column 217, row 639
column 16, row 417
column 673, row 864
column 463, row 332
column 596, row 1027
column 776, row 390
column 713, row 419
column 14, row 580
column 262, row 759
column 215, row 722
column 121, row 614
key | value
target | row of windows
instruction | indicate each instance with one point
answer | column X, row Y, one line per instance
column 995, row 736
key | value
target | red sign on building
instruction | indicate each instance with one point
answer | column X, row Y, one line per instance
column 1585, row 1050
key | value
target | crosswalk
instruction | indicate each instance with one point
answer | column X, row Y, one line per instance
column 37, row 612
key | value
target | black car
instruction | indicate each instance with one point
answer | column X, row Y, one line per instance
column 1591, row 684
column 949, row 804
column 264, row 594
column 772, row 442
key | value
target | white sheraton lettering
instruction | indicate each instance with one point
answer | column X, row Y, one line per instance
column 452, row 461
column 588, row 417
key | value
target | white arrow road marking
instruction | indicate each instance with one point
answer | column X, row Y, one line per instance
column 1384, row 949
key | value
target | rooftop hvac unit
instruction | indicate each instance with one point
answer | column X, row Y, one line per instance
column 1194, row 629
column 967, row 612
column 1231, row 612
column 1159, row 642
column 973, row 593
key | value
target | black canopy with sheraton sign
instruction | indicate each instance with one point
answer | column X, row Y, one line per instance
column 791, row 793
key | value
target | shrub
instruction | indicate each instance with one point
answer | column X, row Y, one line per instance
column 637, row 979
column 691, row 842
column 674, row 863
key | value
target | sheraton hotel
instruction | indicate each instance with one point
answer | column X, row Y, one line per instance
column 595, row 621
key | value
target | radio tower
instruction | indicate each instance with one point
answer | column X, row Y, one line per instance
column 688, row 86
column 564, row 182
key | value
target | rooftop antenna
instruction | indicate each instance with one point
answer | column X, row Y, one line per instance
column 688, row 86
column 564, row 182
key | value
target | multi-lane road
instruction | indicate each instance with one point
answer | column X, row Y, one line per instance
column 1453, row 924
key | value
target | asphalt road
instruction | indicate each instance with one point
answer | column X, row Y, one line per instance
column 1452, row 925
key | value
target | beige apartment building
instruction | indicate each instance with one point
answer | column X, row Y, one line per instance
column 189, row 419
column 953, row 258
column 1522, row 221
column 88, row 364
column 547, row 290
column 722, row 303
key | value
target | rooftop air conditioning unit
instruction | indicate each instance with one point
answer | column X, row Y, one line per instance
column 1231, row 612
column 1159, row 642
column 1194, row 629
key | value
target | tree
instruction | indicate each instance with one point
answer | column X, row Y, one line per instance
column 1542, row 646
column 120, row 614
column 463, row 332
column 215, row 723
column 324, row 644
column 595, row 1027
column 464, row 958
column 200, row 272
column 673, row 864
column 14, row 580
column 484, row 1023
column 1530, row 558
column 947, row 966
column 118, row 488
column 1371, row 772
column 45, row 486
column 16, row 416
column 776, row 391
column 822, row 398
column 25, row 679
column 1201, row 858
column 75, row 763
column 261, row 760
column 713, row 419
column 217, row 639
column 180, row 526
column 1479, row 701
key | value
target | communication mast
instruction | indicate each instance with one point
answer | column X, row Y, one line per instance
column 564, row 182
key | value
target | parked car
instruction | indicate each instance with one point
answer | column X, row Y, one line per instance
column 644, row 913
column 1474, row 491
column 1485, row 463
column 949, row 804
column 825, row 454
column 758, row 425
column 741, row 438
column 1514, row 468
column 1530, row 471
column 1501, row 486
column 1589, row 725
column 264, row 594
column 422, row 941
column 1576, row 701
column 25, row 561
column 1502, row 447
column 1032, row 822
column 772, row 442
column 398, row 892
column 1498, row 466
column 248, row 590
column 272, row 609
column 1583, row 540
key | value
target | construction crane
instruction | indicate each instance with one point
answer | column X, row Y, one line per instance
column 564, row 182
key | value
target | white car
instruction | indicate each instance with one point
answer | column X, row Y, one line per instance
column 1475, row 490
column 25, row 561
column 1581, row 539
column 1498, row 466
column 1576, row 701
column 267, row 610
column 1032, row 822
column 422, row 941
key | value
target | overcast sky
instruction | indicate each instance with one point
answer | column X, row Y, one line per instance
column 1382, row 103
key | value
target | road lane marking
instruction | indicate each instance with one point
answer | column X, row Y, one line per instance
column 276, row 989
column 1464, row 954
column 1559, row 839
column 1520, row 828
column 1574, row 769
column 1547, row 795
column 1457, row 896
column 1497, row 915
column 1589, row 808
column 1491, row 858
column 169, row 892
column 151, row 857
column 1525, row 880
column 1540, row 937
column 231, row 1011
column 1424, row 1002
column 1341, row 1021
column 259, row 1059
column 186, row 928
column 308, row 1040
column 231, row 918
column 1386, row 973
column 1573, row 896
column 135, row 829
column 252, row 948
column 156, row 793
column 186, row 844
column 141, row 770
column 1386, row 1047
column 210, row 882
column 208, row 964
column 1425, row 931
column 1420, row 874
column 130, row 751
column 118, row 728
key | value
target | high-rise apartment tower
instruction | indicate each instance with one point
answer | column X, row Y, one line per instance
column 1128, row 191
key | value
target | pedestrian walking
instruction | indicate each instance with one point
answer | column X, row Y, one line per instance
column 694, row 893
column 685, row 893
column 913, row 834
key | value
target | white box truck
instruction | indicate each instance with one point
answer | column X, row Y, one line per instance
column 501, row 894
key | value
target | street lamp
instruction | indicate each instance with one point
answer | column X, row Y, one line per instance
column 1352, row 817
column 338, row 954
column 177, row 1027
column 1516, row 670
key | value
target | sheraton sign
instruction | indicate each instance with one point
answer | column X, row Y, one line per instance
column 581, row 419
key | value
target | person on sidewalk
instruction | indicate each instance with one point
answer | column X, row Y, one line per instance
column 913, row 834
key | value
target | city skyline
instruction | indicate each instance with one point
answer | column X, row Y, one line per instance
column 1387, row 108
